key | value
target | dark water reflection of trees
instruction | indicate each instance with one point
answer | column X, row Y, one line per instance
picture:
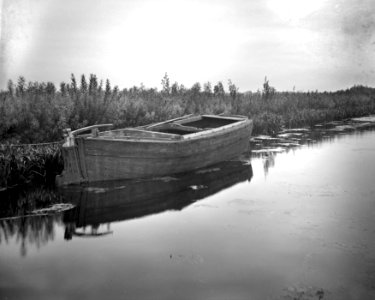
column 103, row 203
column 20, row 220
column 34, row 231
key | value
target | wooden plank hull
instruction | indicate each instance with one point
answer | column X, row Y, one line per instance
column 99, row 159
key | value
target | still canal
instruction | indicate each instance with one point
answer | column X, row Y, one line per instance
column 293, row 220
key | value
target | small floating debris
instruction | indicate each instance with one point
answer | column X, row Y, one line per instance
column 263, row 138
column 289, row 134
column 207, row 171
column 288, row 145
column 341, row 128
column 166, row 178
column 53, row 209
column 96, row 190
column 295, row 130
column 121, row 187
column 365, row 119
column 270, row 150
column 198, row 187
column 363, row 124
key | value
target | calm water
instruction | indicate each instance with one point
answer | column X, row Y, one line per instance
column 294, row 225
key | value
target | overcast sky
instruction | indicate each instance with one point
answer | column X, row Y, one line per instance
column 306, row 44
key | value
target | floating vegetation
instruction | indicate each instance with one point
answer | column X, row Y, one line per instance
column 267, row 146
column 52, row 209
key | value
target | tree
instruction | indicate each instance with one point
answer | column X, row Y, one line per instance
column 50, row 88
column 107, row 89
column 10, row 87
column 207, row 88
column 196, row 88
column 219, row 89
column 93, row 84
column 20, row 85
column 175, row 88
column 165, row 84
column 63, row 88
column 233, row 90
column 83, row 84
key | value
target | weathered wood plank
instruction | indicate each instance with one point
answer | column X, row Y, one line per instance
column 114, row 155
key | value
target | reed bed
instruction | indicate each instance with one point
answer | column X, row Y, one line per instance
column 38, row 112
column 29, row 164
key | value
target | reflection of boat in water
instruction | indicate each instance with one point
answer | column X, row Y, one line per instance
column 111, row 201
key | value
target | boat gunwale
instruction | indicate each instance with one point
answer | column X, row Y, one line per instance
column 183, row 138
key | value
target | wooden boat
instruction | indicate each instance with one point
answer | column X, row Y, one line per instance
column 169, row 147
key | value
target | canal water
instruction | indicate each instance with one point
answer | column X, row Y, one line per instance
column 293, row 222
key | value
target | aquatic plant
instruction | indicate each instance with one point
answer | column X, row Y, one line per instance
column 29, row 164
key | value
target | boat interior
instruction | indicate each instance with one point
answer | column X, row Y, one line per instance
column 191, row 125
column 172, row 129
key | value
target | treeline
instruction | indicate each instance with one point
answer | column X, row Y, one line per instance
column 34, row 112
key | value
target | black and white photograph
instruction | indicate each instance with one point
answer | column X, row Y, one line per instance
column 187, row 149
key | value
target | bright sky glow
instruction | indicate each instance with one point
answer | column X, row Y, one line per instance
column 153, row 39
column 312, row 45
column 294, row 10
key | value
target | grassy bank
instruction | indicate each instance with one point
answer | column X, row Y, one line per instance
column 29, row 164
column 38, row 112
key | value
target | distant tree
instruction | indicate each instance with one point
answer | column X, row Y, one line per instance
column 93, row 84
column 175, row 88
column 219, row 89
column 10, row 87
column 207, row 88
column 116, row 90
column 63, row 88
column 165, row 84
column 20, row 86
column 83, row 84
column 50, row 88
column 182, row 89
column 233, row 90
column 196, row 88
column 100, row 87
column 107, row 88
column 73, row 83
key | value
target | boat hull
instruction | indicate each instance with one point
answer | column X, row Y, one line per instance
column 95, row 159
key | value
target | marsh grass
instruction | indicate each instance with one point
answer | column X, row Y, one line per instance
column 38, row 112
column 29, row 164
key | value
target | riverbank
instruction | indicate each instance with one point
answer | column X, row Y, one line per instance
column 37, row 165
column 38, row 113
